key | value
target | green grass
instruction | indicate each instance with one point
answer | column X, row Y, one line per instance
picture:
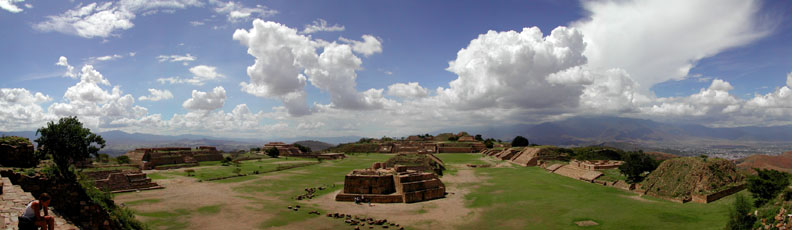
column 508, row 198
column 531, row 198
column 612, row 175
column 246, row 167
column 144, row 201
column 157, row 176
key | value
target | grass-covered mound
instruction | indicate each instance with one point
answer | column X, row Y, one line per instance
column 682, row 177
column 355, row 148
column 425, row 160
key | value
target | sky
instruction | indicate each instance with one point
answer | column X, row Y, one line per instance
column 268, row 69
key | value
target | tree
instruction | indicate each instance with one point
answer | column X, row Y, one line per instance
column 635, row 164
column 122, row 159
column 489, row 143
column 453, row 138
column 766, row 185
column 479, row 138
column 303, row 148
column 68, row 142
column 273, row 152
column 739, row 215
column 520, row 141
column 102, row 157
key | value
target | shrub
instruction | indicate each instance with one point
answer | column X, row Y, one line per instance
column 635, row 164
column 68, row 142
column 766, row 184
column 303, row 148
column 520, row 141
column 122, row 159
column 273, row 152
column 739, row 214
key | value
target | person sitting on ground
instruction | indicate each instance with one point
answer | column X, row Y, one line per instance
column 33, row 212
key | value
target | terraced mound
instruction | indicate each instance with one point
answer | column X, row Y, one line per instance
column 661, row 156
column 781, row 162
column 426, row 161
column 681, row 178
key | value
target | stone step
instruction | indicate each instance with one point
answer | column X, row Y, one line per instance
column 14, row 200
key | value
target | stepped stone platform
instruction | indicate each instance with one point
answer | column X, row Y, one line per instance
column 399, row 184
column 577, row 173
column 122, row 181
column 13, row 201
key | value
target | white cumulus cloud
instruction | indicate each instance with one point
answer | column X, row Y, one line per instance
column 411, row 90
column 206, row 101
column 10, row 5
column 176, row 58
column 201, row 75
column 370, row 45
column 320, row 25
column 157, row 95
column 236, row 11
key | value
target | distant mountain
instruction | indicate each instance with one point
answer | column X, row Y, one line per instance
column 580, row 130
column 120, row 142
column 315, row 146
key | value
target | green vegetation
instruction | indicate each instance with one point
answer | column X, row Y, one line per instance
column 19, row 161
column 507, row 198
column 273, row 152
column 520, row 141
column 303, row 148
column 610, row 175
column 144, row 201
column 68, row 142
column 123, row 159
column 739, row 218
column 685, row 176
column 635, row 165
column 767, row 184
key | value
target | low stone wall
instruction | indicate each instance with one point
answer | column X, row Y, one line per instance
column 68, row 199
column 374, row 198
column 17, row 155
column 423, row 195
column 444, row 149
column 716, row 196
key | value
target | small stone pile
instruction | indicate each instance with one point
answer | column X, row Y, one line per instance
column 309, row 193
column 782, row 220
column 361, row 222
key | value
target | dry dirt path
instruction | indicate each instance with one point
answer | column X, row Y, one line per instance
column 186, row 193
column 445, row 213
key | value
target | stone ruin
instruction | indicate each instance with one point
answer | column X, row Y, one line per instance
column 122, row 181
column 430, row 147
column 528, row 156
column 16, row 152
column 596, row 164
column 284, row 149
column 398, row 184
column 150, row 158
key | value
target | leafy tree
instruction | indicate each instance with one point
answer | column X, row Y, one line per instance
column 479, row 138
column 102, row 157
column 520, row 141
column 635, row 164
column 122, row 159
column 489, row 143
column 68, row 142
column 739, row 215
column 273, row 152
column 386, row 138
column 303, row 148
column 453, row 138
column 766, row 184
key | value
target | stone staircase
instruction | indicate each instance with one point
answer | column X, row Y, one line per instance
column 13, row 201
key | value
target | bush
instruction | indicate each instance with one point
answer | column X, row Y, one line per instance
column 766, row 185
column 520, row 141
column 739, row 214
column 635, row 165
column 273, row 152
column 122, row 159
column 303, row 148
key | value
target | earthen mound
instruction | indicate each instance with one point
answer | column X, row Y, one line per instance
column 683, row 177
column 781, row 162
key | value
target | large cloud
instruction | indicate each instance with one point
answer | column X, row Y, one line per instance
column 102, row 20
column 206, row 101
column 10, row 5
column 21, row 109
column 509, row 69
column 660, row 40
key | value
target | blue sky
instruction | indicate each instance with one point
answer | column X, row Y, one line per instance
column 390, row 67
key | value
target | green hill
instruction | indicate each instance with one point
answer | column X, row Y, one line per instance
column 684, row 176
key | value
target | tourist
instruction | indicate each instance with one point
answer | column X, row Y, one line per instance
column 33, row 213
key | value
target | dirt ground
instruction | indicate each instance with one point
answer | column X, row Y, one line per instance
column 444, row 213
column 187, row 193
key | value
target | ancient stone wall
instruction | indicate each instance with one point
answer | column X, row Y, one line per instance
column 706, row 198
column 369, row 184
column 69, row 199
column 447, row 149
column 121, row 181
column 17, row 152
